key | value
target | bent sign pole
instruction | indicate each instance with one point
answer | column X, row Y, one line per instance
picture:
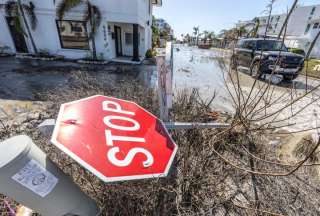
column 29, row 177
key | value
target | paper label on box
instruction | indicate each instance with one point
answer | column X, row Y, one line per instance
column 36, row 178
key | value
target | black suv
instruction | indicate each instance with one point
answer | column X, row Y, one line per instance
column 266, row 56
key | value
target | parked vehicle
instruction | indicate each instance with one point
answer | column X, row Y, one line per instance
column 267, row 56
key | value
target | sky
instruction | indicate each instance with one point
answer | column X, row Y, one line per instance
column 215, row 15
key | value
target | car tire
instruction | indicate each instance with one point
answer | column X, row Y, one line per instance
column 290, row 78
column 255, row 70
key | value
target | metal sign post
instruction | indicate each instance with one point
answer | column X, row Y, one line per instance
column 28, row 176
column 165, row 79
column 46, row 128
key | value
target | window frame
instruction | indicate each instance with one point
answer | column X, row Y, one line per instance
column 60, row 37
column 150, row 7
column 250, row 45
column 240, row 44
column 125, row 38
column 307, row 28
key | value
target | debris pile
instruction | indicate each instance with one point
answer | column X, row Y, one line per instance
column 207, row 177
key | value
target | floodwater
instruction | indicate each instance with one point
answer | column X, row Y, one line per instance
column 208, row 71
column 204, row 70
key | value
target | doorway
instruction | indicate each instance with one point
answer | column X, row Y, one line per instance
column 118, row 40
column 17, row 36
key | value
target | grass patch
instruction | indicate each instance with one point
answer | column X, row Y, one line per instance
column 310, row 65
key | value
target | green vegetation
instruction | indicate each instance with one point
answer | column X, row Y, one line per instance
column 297, row 51
column 155, row 34
column 150, row 53
column 311, row 66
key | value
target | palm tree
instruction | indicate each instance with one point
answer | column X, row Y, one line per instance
column 18, row 11
column 211, row 35
column 269, row 10
column 92, row 15
column 196, row 31
column 287, row 18
column 187, row 38
column 254, row 32
column 242, row 30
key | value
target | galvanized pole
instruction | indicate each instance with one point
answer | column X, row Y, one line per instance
column 29, row 177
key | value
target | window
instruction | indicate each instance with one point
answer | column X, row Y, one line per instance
column 246, row 44
column 313, row 10
column 73, row 34
column 271, row 45
column 307, row 29
column 316, row 25
column 250, row 45
column 128, row 38
column 240, row 44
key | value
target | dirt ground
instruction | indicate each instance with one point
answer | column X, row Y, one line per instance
column 203, row 183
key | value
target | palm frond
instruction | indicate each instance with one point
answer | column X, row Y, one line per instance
column 65, row 6
column 87, row 12
column 31, row 14
column 96, row 18
column 96, row 15
column 17, row 25
column 11, row 8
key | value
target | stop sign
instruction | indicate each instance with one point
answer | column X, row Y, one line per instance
column 114, row 139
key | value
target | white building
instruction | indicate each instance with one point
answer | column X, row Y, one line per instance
column 302, row 27
column 125, row 31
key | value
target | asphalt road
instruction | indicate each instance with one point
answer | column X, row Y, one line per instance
column 25, row 79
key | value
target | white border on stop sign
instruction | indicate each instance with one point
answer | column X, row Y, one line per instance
column 92, row 169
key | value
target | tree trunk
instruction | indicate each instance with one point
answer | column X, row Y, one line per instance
column 27, row 26
column 312, row 45
column 93, row 41
column 288, row 17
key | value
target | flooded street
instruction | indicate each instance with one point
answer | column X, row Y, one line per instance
column 208, row 71
column 203, row 70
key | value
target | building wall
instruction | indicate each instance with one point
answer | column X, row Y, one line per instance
column 46, row 34
column 296, row 35
column 5, row 37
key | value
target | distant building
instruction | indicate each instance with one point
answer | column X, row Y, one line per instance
column 302, row 27
column 125, row 30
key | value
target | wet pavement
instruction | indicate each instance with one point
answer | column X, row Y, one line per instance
column 203, row 70
column 208, row 71
column 24, row 79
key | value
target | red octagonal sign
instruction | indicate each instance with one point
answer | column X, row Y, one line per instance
column 114, row 139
